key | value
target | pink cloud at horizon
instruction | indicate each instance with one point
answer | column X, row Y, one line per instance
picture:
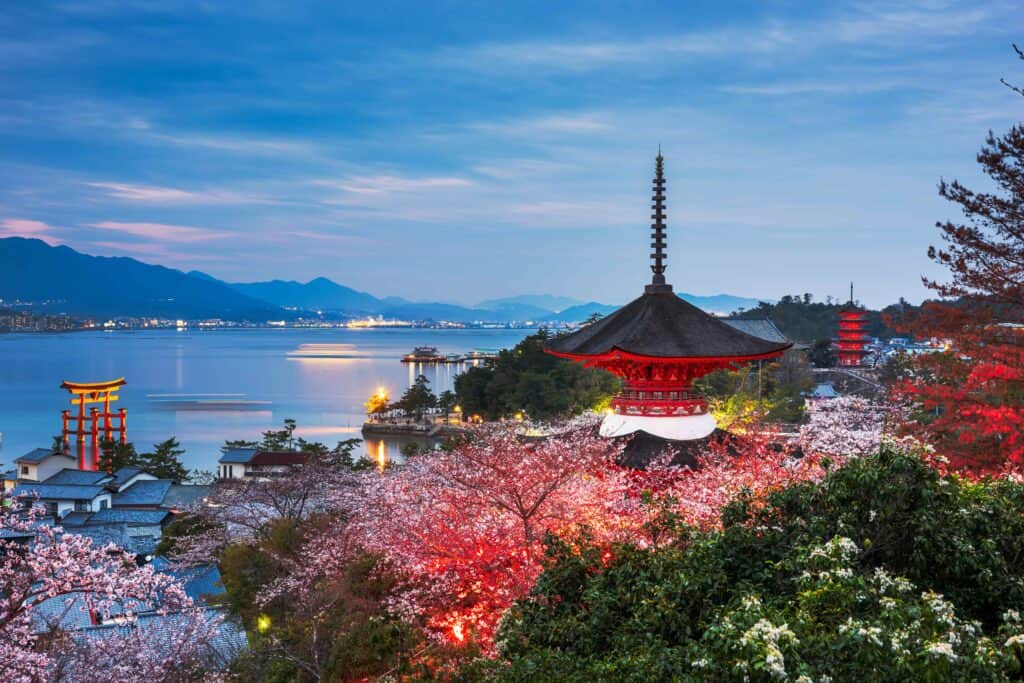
column 162, row 232
column 23, row 227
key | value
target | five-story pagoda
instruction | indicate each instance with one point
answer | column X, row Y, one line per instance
column 659, row 344
column 852, row 333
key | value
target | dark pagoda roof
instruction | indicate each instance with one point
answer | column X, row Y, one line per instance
column 659, row 323
column 662, row 325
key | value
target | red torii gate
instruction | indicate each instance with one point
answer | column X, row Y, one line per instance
column 83, row 393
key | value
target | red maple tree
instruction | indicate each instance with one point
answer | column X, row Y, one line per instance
column 970, row 396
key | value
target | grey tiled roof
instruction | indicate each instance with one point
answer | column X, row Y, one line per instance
column 160, row 631
column 38, row 455
column 77, row 477
column 118, row 534
column 238, row 455
column 71, row 612
column 183, row 495
column 662, row 325
column 124, row 474
column 200, row 582
column 824, row 390
column 116, row 516
column 763, row 328
column 143, row 492
column 58, row 491
column 75, row 519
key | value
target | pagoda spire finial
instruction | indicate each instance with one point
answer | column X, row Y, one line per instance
column 658, row 228
column 851, row 292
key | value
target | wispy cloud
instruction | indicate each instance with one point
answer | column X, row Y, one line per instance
column 151, row 251
column 388, row 184
column 171, row 195
column 237, row 144
column 839, row 86
column 556, row 124
column 866, row 24
column 162, row 232
column 22, row 227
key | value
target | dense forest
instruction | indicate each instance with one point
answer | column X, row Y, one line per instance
column 802, row 319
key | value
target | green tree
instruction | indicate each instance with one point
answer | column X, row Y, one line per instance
column 114, row 455
column 526, row 379
column 417, row 399
column 823, row 354
column 164, row 462
column 885, row 571
column 446, row 400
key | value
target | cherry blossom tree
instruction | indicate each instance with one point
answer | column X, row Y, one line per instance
column 847, row 425
column 239, row 510
column 469, row 523
column 466, row 527
column 39, row 563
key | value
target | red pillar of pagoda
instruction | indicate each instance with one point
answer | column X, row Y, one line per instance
column 852, row 333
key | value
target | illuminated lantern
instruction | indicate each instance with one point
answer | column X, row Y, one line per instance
column 659, row 344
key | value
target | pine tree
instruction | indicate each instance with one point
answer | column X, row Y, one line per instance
column 165, row 461
column 971, row 396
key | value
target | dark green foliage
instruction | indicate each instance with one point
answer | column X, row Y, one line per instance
column 446, row 400
column 804, row 320
column 774, row 390
column 284, row 439
column 114, row 455
column 417, row 399
column 164, row 462
column 526, row 379
column 182, row 526
column 819, row 580
column 340, row 631
column 823, row 355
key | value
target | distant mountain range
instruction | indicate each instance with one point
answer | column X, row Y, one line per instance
column 60, row 279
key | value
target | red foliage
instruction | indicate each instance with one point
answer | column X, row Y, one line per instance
column 971, row 396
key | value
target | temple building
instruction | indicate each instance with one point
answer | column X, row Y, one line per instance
column 852, row 337
column 659, row 344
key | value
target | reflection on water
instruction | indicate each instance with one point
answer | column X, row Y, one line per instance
column 390, row 450
column 207, row 386
column 308, row 352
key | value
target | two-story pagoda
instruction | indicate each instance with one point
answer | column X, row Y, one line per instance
column 659, row 344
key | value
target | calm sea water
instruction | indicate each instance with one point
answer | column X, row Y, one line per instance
column 318, row 377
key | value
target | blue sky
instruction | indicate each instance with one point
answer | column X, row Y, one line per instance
column 459, row 151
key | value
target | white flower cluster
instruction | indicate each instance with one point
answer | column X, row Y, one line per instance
column 764, row 634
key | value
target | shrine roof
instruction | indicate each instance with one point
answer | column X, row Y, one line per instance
column 660, row 324
column 93, row 386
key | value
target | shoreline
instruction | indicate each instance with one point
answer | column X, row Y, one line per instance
column 393, row 429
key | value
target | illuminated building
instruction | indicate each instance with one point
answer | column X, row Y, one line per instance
column 92, row 425
column 659, row 344
column 852, row 337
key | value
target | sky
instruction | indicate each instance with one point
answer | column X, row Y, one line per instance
column 459, row 151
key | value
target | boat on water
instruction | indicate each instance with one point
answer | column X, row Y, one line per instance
column 481, row 354
column 430, row 354
column 423, row 354
column 206, row 402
